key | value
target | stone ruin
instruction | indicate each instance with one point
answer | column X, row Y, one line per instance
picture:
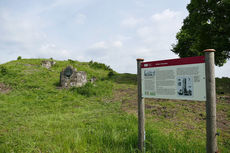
column 48, row 64
column 93, row 79
column 69, row 77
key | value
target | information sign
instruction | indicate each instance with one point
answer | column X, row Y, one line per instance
column 182, row 78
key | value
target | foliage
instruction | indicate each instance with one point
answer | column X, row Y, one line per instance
column 71, row 61
column 111, row 74
column 3, row 70
column 207, row 26
column 223, row 85
column 19, row 58
column 98, row 65
column 86, row 90
column 98, row 89
column 36, row 116
column 125, row 78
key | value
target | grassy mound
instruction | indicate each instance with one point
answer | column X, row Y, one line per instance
column 39, row 116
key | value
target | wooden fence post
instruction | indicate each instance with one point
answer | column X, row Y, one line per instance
column 211, row 135
column 141, row 108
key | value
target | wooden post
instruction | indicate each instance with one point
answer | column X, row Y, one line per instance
column 211, row 135
column 141, row 108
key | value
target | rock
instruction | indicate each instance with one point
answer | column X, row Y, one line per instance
column 4, row 88
column 48, row 64
column 69, row 77
column 93, row 79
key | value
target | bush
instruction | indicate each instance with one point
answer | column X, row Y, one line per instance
column 3, row 70
column 223, row 85
column 71, row 61
column 19, row 58
column 111, row 74
column 86, row 90
column 98, row 89
column 98, row 65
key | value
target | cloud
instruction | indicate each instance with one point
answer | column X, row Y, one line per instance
column 131, row 22
column 117, row 44
column 106, row 45
column 115, row 33
column 140, row 3
column 51, row 50
column 97, row 51
column 223, row 71
column 20, row 29
column 80, row 19
column 66, row 4
column 123, row 37
column 161, row 28
column 150, row 38
column 22, row 35
column 165, row 15
column 109, row 52
column 99, row 45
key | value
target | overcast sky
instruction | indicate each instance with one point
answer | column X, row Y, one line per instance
column 114, row 32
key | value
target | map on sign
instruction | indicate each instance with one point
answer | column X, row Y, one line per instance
column 182, row 78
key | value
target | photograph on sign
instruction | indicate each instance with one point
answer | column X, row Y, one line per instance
column 174, row 79
column 184, row 86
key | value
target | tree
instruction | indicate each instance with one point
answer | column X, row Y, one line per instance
column 206, row 26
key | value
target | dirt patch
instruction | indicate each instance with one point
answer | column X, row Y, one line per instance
column 128, row 99
column 223, row 99
column 222, row 121
column 4, row 88
column 161, row 111
column 177, row 111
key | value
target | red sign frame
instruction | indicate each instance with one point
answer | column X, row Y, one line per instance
column 173, row 62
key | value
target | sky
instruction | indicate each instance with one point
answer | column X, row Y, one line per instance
column 112, row 32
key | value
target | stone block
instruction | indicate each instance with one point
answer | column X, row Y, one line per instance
column 70, row 77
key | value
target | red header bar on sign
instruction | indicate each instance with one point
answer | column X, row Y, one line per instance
column 172, row 62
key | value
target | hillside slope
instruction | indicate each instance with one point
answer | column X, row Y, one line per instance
column 39, row 116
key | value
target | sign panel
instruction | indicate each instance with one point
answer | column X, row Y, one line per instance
column 182, row 78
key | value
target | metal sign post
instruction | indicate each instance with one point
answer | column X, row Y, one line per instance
column 211, row 142
column 141, row 108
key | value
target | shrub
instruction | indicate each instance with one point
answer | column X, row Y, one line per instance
column 3, row 70
column 98, row 89
column 223, row 85
column 86, row 90
column 71, row 61
column 19, row 58
column 111, row 74
column 98, row 65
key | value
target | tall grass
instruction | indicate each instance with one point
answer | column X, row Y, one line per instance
column 37, row 116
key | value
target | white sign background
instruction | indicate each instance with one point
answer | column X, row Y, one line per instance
column 185, row 82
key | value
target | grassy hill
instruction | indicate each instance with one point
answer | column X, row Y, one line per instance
column 36, row 115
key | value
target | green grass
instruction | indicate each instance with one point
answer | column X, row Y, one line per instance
column 223, row 85
column 37, row 116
